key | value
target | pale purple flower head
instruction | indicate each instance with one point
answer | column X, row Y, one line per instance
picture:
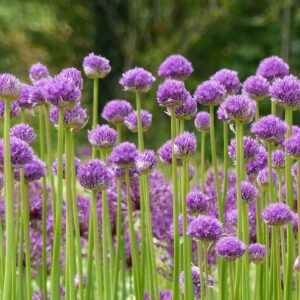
column 259, row 163
column 131, row 121
column 185, row 145
column 239, row 108
column 278, row 160
column 221, row 115
column 10, row 87
column 94, row 175
column 229, row 79
column 102, row 137
column 210, row 92
column 14, row 109
column 34, row 170
column 277, row 214
column 186, row 111
column 295, row 130
column 256, row 87
column 257, row 253
column 196, row 202
column 146, row 161
column 230, row 248
column 202, row 121
column 24, row 98
column 165, row 153
column 270, row 129
column 116, row 111
column 137, row 79
column 24, row 132
column 76, row 165
column 251, row 149
column 286, row 91
column 73, row 74
column 263, row 177
column 172, row 93
column 272, row 67
column 248, row 191
column 96, row 66
column 37, row 96
column 175, row 67
column 292, row 146
column 38, row 71
column 123, row 154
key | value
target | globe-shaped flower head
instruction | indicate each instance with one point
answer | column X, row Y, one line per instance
column 272, row 67
column 196, row 202
column 277, row 214
column 37, row 95
column 202, row 121
column 278, row 160
column 186, row 111
column 102, row 137
column 256, row 87
column 248, row 191
column 257, row 253
column 146, row 161
column 123, row 154
column 96, row 66
column 24, row 98
column 165, row 153
column 116, row 111
column 230, row 248
column 229, row 79
column 263, row 178
column 73, row 74
column 14, row 109
column 185, row 145
column 131, row 121
column 210, row 92
column 10, row 87
column 259, row 163
column 292, row 146
column 38, row 71
column 34, row 170
column 24, row 132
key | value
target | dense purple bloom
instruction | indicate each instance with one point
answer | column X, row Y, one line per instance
column 202, row 121
column 186, row 111
column 292, row 146
column 96, row 66
column 259, row 163
column 278, row 160
column 76, row 164
column 73, row 74
column 251, row 149
column 185, row 144
column 277, row 214
column 38, row 71
column 131, row 121
column 270, row 129
column 295, row 130
column 196, row 202
column 210, row 92
column 116, row 111
column 230, row 248
column 10, row 87
column 172, row 93
column 272, row 67
column 14, row 109
column 37, row 96
column 23, row 132
column 137, row 79
column 34, row 170
column 165, row 153
column 248, row 191
column 175, row 67
column 229, row 79
column 24, row 98
column 222, row 116
column 94, row 175
column 263, row 177
column 123, row 154
column 103, row 137
column 257, row 253
column 145, row 161
column 256, row 87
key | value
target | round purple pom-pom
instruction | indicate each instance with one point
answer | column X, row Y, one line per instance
column 123, row 154
column 196, row 202
column 259, row 163
column 256, row 87
column 278, row 160
column 185, row 144
column 210, row 92
column 272, row 67
column 292, row 146
column 277, row 214
column 14, row 109
column 25, row 98
column 34, row 170
column 10, row 87
column 248, row 191
column 73, row 74
column 263, row 178
column 229, row 79
column 186, row 111
column 165, row 153
column 131, row 121
column 102, row 137
column 230, row 248
column 24, row 132
column 116, row 111
column 257, row 253
column 38, row 71
column 202, row 121
column 96, row 66
column 145, row 161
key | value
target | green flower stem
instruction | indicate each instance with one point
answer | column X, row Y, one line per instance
column 133, row 242
column 22, row 115
column 272, row 195
column 20, row 258
column 119, row 134
column 257, row 111
column 181, row 126
column 9, row 206
column 16, row 241
column 298, row 207
column 175, row 210
column 55, row 280
column 231, row 272
column 226, row 161
column 95, row 101
column 200, row 266
column 273, row 108
column 202, row 160
column 205, row 251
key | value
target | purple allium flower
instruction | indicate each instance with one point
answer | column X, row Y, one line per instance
column 23, row 132
column 21, row 153
column 34, row 170
column 221, row 115
column 77, row 280
column 196, row 202
column 96, row 66
column 205, row 228
column 73, row 74
column 38, row 71
column 286, row 91
column 103, row 137
column 75, row 118
column 278, row 160
column 251, row 149
column 185, row 144
column 292, row 146
column 172, row 93
column 123, row 154
column 259, row 163
column 24, row 98
column 119, row 172
column 256, row 87
column 295, row 130
column 36, row 96
column 296, row 266
column 14, row 109
column 202, row 121
column 94, row 175
column 239, row 108
column 186, row 111
column 131, row 121
column 145, row 161
column 61, row 91
column 175, row 67
column 257, row 253
column 229, row 79
column 137, row 79
column 116, row 111
column 54, row 166
column 10, row 87
column 270, row 129
column 248, row 191
column 272, row 67
column 230, row 248
column 165, row 153
column 263, row 178
column 277, row 214
column 210, row 92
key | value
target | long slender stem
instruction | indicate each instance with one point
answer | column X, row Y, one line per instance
column 202, row 160
column 226, row 160
column 231, row 272
column 206, row 270
column 95, row 101
column 200, row 266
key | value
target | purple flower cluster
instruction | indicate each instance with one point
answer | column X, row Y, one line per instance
column 23, row 132
column 278, row 160
column 202, row 121
column 131, row 121
column 14, row 109
column 292, row 146
column 165, row 153
column 277, row 214
column 185, row 145
column 96, row 66
column 196, row 202
column 74, row 75
column 257, row 253
column 248, row 191
column 210, row 92
column 230, row 248
column 256, row 87
column 123, row 154
column 229, row 79
column 188, row 110
column 251, row 149
column 38, row 71
column 272, row 67
column 103, row 137
column 116, row 111
column 10, row 87
column 145, row 161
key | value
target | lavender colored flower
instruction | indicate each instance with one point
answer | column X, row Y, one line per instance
column 76, row 164
column 37, row 96
column 34, row 170
column 295, row 130
column 24, row 98
column 123, row 154
column 10, row 87
column 102, row 137
column 230, row 248
column 222, row 116
column 131, row 121
column 73, row 74
column 24, row 132
column 202, row 121
column 137, row 79
column 278, row 160
column 38, row 71
column 172, row 93
column 272, row 67
column 185, row 145
column 186, row 111
column 263, row 178
column 94, row 175
column 145, row 161
column 259, row 163
column 175, row 67
column 256, row 87
column 270, row 129
column 229, row 79
column 210, row 92
column 277, row 214
column 116, row 111
column 257, row 253
column 14, row 109
column 196, row 202
column 96, row 66
column 248, row 191
column 292, row 146
column 119, row 172
column 165, row 153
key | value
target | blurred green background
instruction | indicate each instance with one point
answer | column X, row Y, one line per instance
column 212, row 34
